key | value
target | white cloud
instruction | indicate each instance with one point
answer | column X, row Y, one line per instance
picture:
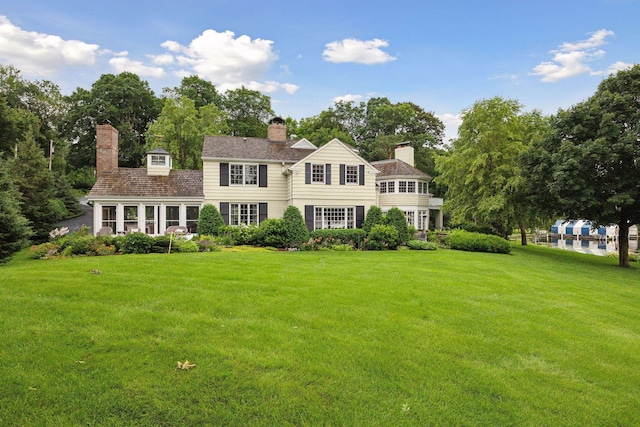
column 41, row 54
column 121, row 64
column 224, row 58
column 359, row 51
column 614, row 68
column 348, row 98
column 571, row 59
column 227, row 61
column 451, row 123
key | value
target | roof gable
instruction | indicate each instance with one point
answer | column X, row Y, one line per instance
column 304, row 144
column 349, row 150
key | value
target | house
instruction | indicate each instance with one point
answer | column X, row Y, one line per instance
column 402, row 185
column 150, row 199
column 252, row 179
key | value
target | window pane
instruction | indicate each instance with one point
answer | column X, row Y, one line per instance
column 411, row 187
column 172, row 215
column 109, row 217
column 317, row 173
column 192, row 218
column 352, row 174
column 150, row 220
column 236, row 174
column 402, row 187
column 251, row 175
column 391, row 186
column 383, row 187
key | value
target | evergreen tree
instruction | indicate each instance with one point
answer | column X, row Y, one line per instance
column 295, row 227
column 395, row 218
column 374, row 217
column 210, row 221
column 30, row 174
column 14, row 228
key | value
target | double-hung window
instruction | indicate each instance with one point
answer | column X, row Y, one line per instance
column 383, row 187
column 411, row 187
column 391, row 186
column 241, row 174
column 317, row 173
column 402, row 187
column 351, row 174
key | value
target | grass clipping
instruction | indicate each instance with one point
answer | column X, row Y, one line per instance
column 186, row 365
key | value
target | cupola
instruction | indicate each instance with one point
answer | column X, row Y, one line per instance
column 159, row 162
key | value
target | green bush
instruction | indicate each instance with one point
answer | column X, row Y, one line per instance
column 77, row 243
column 161, row 244
column 101, row 249
column 421, row 245
column 137, row 243
column 396, row 218
column 239, row 235
column 476, row 242
column 337, row 236
column 272, row 232
column 210, row 220
column 295, row 227
column 208, row 243
column 187, row 246
column 44, row 250
column 374, row 217
column 382, row 237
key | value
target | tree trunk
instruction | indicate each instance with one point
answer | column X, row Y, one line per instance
column 623, row 243
column 523, row 235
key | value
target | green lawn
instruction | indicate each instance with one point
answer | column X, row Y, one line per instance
column 539, row 337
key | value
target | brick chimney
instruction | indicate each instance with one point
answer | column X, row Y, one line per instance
column 106, row 149
column 277, row 131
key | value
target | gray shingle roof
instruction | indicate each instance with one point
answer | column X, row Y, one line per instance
column 395, row 167
column 233, row 147
column 129, row 182
column 158, row 150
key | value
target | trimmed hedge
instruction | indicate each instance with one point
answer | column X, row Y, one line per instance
column 476, row 242
column 421, row 245
column 340, row 236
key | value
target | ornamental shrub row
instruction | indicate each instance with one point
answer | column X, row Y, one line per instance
column 476, row 242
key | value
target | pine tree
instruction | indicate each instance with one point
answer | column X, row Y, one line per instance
column 14, row 228
column 31, row 175
column 296, row 229
column 210, row 221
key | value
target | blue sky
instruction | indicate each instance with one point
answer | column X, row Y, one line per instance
column 441, row 55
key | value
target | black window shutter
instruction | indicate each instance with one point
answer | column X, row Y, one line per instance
column 262, row 175
column 327, row 172
column 343, row 173
column 224, row 174
column 224, row 212
column 307, row 173
column 361, row 174
column 262, row 212
column 359, row 216
column 309, row 216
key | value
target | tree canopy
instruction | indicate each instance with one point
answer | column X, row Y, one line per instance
column 589, row 166
column 481, row 169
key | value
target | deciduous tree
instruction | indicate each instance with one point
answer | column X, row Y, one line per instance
column 589, row 166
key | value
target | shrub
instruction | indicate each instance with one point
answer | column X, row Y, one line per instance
column 421, row 245
column 338, row 236
column 240, row 234
column 187, row 246
column 210, row 220
column 295, row 227
column 161, row 244
column 476, row 242
column 342, row 248
column 396, row 218
column 77, row 243
column 137, row 243
column 208, row 243
column 45, row 250
column 272, row 232
column 374, row 217
column 382, row 237
column 102, row 249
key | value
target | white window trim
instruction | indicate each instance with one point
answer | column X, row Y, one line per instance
column 244, row 174
column 346, row 175
column 158, row 160
column 324, row 173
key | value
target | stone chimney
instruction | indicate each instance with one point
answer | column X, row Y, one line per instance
column 404, row 152
column 106, row 149
column 277, row 131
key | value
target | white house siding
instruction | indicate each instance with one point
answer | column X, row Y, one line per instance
column 388, row 201
column 275, row 194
